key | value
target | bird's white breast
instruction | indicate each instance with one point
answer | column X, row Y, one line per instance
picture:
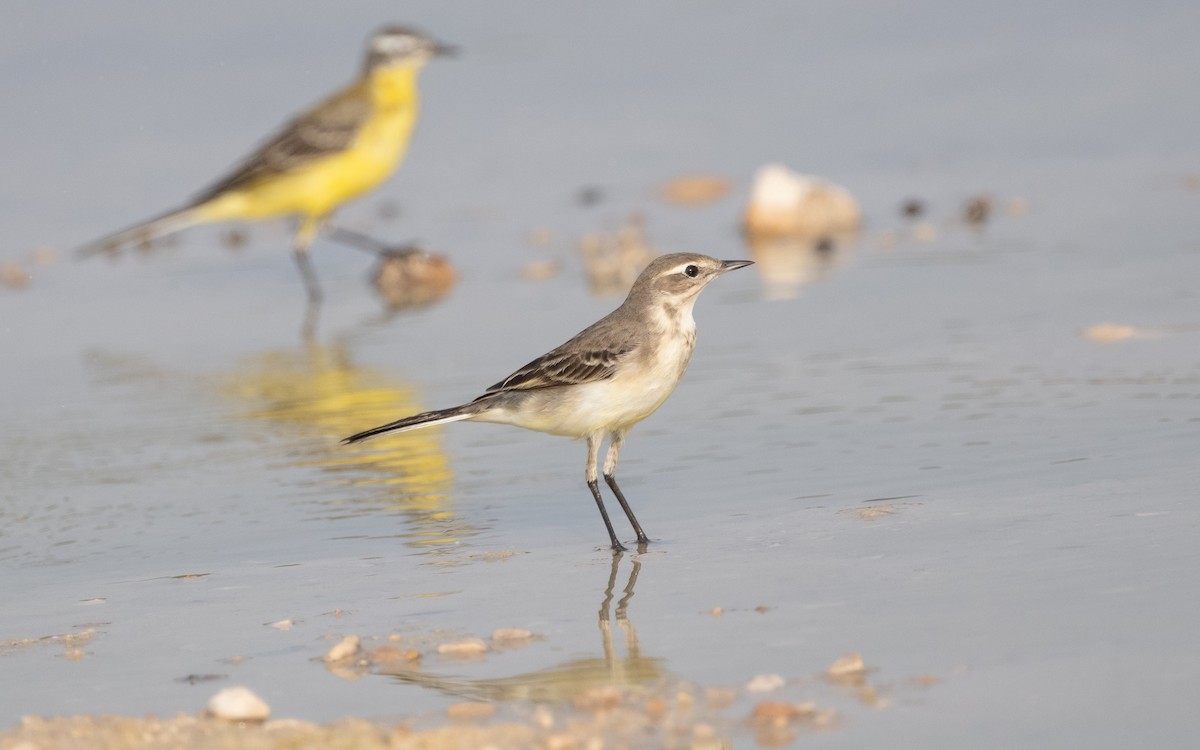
column 643, row 381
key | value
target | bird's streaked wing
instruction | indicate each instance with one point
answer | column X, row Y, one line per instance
column 326, row 129
column 560, row 367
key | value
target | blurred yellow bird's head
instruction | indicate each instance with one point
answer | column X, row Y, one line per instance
column 396, row 46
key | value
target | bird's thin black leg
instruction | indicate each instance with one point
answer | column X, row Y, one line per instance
column 610, row 476
column 637, row 527
column 594, row 486
column 593, row 444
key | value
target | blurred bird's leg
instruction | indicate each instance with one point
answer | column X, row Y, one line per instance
column 355, row 239
column 305, row 234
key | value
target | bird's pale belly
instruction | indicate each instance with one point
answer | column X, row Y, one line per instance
column 600, row 406
column 580, row 410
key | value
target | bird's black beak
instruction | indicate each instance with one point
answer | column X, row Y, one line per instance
column 444, row 50
column 733, row 265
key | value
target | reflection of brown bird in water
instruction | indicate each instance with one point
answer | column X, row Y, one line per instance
column 339, row 149
column 563, row 682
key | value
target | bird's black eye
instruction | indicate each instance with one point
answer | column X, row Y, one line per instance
column 692, row 271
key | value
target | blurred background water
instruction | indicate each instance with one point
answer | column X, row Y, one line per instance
column 917, row 455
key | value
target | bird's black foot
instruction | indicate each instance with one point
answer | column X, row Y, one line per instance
column 612, row 535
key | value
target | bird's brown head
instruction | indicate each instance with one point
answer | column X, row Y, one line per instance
column 681, row 276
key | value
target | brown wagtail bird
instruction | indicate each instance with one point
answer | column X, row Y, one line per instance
column 606, row 379
column 337, row 150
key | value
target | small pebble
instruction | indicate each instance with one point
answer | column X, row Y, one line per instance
column 694, row 190
column 234, row 239
column 344, row 649
column 281, row 624
column 470, row 711
column 912, row 208
column 292, row 725
column 783, row 202
column 13, row 276
column 543, row 717
column 719, row 698
column 765, row 683
column 541, row 236
column 392, row 654
column 1108, row 333
column 540, row 270
column 465, row 648
column 847, row 665
column 685, row 701
column 511, row 637
column 977, row 210
column 409, row 278
column 193, row 679
column 497, row 555
column 598, row 699
column 848, row 671
column 238, row 704
column 924, row 232
column 869, row 696
column 589, row 196
column 775, row 712
column 44, row 255
column 872, row 513
column 560, row 741
column 656, row 709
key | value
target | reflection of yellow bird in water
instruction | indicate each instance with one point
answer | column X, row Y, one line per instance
column 318, row 390
column 339, row 149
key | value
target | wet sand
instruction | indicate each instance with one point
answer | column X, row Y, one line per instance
column 964, row 451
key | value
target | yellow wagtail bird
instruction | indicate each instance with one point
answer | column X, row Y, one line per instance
column 606, row 379
column 337, row 150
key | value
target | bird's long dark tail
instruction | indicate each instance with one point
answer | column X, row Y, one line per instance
column 143, row 232
column 417, row 421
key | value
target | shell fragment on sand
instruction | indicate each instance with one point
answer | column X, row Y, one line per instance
column 784, row 202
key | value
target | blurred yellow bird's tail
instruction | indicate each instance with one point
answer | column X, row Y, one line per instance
column 145, row 232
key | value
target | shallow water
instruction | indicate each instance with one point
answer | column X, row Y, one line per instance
column 905, row 449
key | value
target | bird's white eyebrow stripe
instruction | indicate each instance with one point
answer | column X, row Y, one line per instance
column 393, row 42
